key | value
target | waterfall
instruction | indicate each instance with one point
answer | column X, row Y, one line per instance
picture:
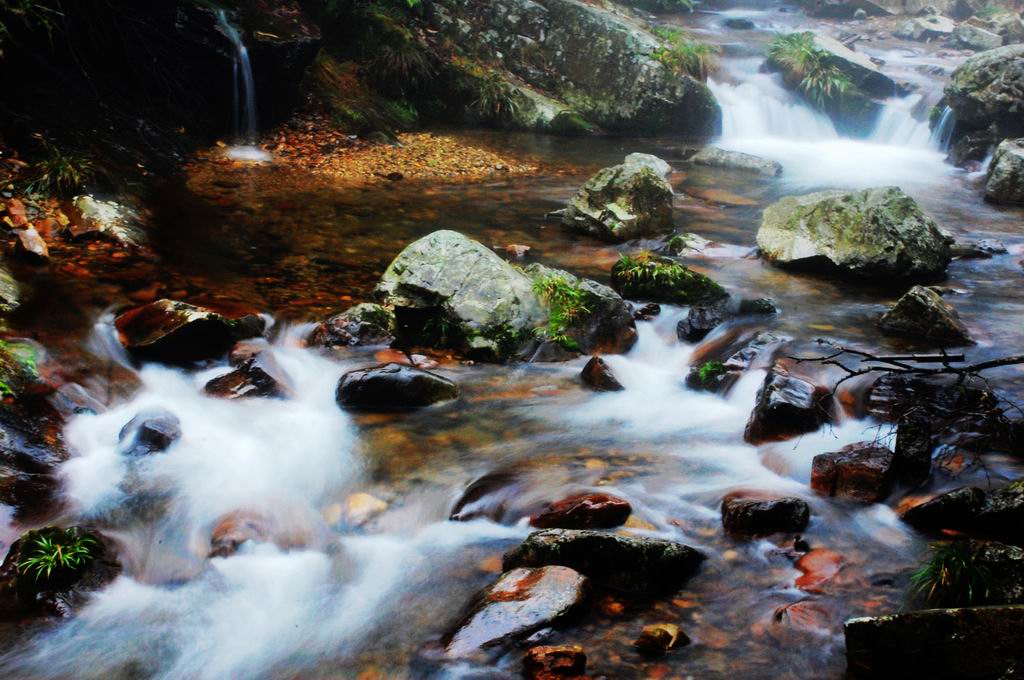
column 943, row 132
column 897, row 126
column 243, row 97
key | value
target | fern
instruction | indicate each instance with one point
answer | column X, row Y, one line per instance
column 65, row 551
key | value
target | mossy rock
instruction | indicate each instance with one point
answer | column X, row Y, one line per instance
column 620, row 203
column 662, row 279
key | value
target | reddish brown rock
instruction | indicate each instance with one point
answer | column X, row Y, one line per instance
column 516, row 251
column 555, row 662
column 584, row 511
column 172, row 331
column 521, row 602
column 260, row 376
column 244, row 350
column 659, row 638
column 819, row 567
column 747, row 516
column 598, row 374
column 787, row 406
column 861, row 471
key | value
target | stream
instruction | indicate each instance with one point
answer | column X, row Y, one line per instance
column 344, row 593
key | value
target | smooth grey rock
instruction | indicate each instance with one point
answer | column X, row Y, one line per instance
column 1005, row 183
column 714, row 156
column 922, row 313
column 621, row 203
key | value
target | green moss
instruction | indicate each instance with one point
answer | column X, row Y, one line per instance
column 684, row 56
column 567, row 305
column 571, row 123
column 710, row 370
column 660, row 279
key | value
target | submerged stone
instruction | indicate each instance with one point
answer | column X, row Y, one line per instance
column 149, row 432
column 658, row 638
column 555, row 662
column 393, row 387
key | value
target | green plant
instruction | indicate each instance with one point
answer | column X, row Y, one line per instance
column 399, row 63
column 58, row 172
column 684, row 56
column 495, row 97
column 28, row 12
column 818, row 79
column 710, row 370
column 950, row 577
column 566, row 303
column 65, row 550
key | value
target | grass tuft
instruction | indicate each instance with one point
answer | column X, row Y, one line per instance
column 820, row 81
column 566, row 303
column 950, row 577
column 58, row 172
column 684, row 56
column 59, row 551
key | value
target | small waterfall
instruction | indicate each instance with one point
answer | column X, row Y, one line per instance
column 943, row 132
column 897, row 125
column 244, row 97
column 759, row 107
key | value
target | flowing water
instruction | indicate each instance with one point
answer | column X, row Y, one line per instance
column 338, row 593
column 243, row 96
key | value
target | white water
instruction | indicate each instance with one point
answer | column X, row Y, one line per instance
column 761, row 117
column 244, row 98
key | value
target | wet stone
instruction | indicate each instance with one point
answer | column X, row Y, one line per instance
column 149, row 432
column 658, row 638
column 521, row 602
column 1002, row 515
column 626, row 563
column 260, row 376
column 761, row 517
column 393, row 387
column 554, row 662
column 701, row 319
column 913, row 453
column 861, row 472
column 584, row 511
column 30, row 246
column 786, row 406
column 363, row 324
column 598, row 375
column 953, row 510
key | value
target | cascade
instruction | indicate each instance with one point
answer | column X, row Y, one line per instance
column 243, row 97
column 943, row 132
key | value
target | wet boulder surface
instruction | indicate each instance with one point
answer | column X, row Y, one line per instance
column 630, row 564
column 954, row 509
column 149, row 432
column 862, row 472
column 362, row 324
column 393, row 387
column 922, row 314
column 621, row 203
column 746, row 515
column 786, row 406
column 599, row 376
column 259, row 376
column 584, row 511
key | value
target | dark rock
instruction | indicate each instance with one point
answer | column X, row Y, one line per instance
column 912, row 457
column 862, row 472
column 973, row 147
column 175, row 332
column 64, row 590
column 756, row 306
column 963, row 644
column 495, row 496
column 1002, row 515
column 746, row 516
column 363, row 324
column 702, row 318
column 260, row 376
column 393, row 387
column 598, row 374
column 720, row 375
column 922, row 313
column 647, row 312
column 626, row 563
column 1002, row 569
column 786, row 406
column 739, row 23
column 953, row 510
column 243, row 350
column 149, row 432
column 657, row 638
column 560, row 662
column 584, row 511
column 521, row 602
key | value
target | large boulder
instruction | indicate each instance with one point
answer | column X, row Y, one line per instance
column 521, row 602
column 176, row 332
column 393, row 387
column 866, row 234
column 627, row 563
column 988, row 90
column 597, row 60
column 621, row 203
column 787, row 405
column 861, row 472
column 922, row 313
column 858, row 67
column 968, row 643
column 1005, row 183
column 715, row 157
column 976, row 38
column 646, row 276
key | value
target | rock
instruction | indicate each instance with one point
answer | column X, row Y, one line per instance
column 627, row 563
column 966, row 643
column 860, row 14
column 363, row 324
column 757, row 306
column 921, row 313
column 647, row 312
column 393, row 387
column 30, row 246
column 982, row 249
column 953, row 510
column 1002, row 514
column 1009, row 26
column 92, row 218
column 497, row 496
column 521, row 602
column 719, row 375
column 597, row 61
column 361, row 507
column 605, row 323
column 912, row 456
column 686, row 243
column 867, row 234
column 450, row 291
column 661, row 279
column 746, row 516
column 517, row 252
column 701, row 319
column 715, row 157
column 925, row 28
column 149, row 432
column 1003, row 569
column 786, row 406
column 975, row 38
column 10, row 291
column 64, row 590
column 986, row 91
column 286, row 530
column 621, row 203
column 243, row 350
column 1005, row 183
column 658, row 638
column 739, row 23
column 177, row 332
column 260, row 376
column 819, row 568
column 861, row 472
column 598, row 374
column 659, row 166
column 556, row 662
column 584, row 511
